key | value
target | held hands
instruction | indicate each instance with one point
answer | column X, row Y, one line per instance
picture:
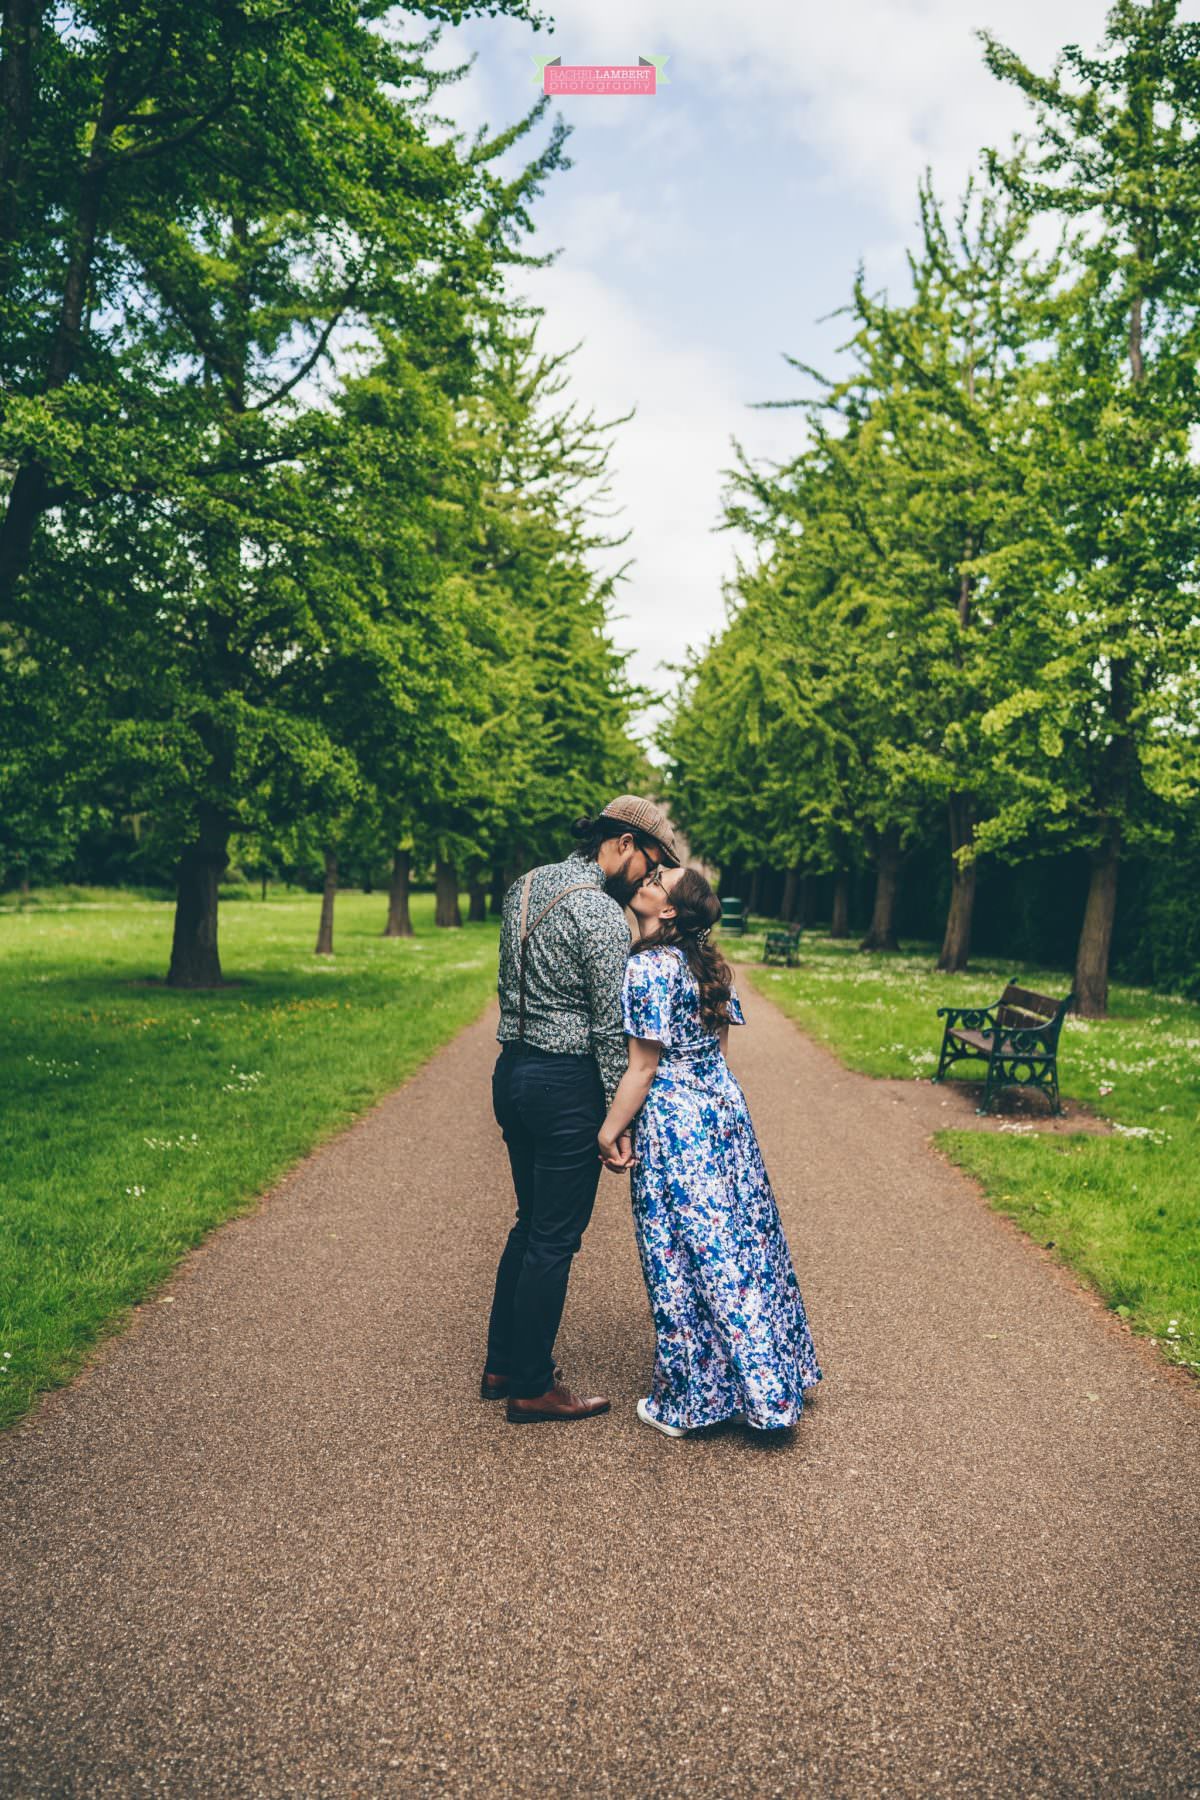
column 616, row 1153
column 615, row 1136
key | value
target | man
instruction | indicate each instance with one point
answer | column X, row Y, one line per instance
column 563, row 947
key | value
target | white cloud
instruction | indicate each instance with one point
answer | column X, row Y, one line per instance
column 876, row 89
column 666, row 462
column 601, row 223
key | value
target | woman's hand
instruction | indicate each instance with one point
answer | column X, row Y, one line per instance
column 616, row 1153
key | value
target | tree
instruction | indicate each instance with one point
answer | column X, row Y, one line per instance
column 536, row 730
column 917, row 422
column 831, row 526
column 945, row 371
column 161, row 434
column 1097, row 732
column 130, row 150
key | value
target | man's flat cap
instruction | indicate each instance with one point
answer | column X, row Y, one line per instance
column 643, row 815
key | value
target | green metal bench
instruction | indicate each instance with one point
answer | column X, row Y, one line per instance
column 1017, row 1038
column 733, row 922
column 781, row 946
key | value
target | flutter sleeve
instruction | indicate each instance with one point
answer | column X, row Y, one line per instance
column 736, row 1015
column 646, row 997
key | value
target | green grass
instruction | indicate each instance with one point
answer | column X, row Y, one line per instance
column 136, row 1118
column 1122, row 1211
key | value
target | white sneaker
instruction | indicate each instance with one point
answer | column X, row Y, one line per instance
column 647, row 1418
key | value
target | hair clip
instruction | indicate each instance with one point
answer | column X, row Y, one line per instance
column 702, row 936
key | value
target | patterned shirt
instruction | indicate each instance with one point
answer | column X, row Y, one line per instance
column 574, row 968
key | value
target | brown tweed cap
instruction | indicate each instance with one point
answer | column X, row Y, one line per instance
column 643, row 815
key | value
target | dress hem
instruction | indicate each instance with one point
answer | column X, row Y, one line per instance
column 791, row 1416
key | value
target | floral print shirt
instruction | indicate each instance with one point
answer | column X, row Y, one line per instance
column 574, row 968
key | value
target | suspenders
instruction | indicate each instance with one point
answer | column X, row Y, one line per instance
column 527, row 930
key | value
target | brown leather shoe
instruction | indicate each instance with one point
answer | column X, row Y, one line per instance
column 495, row 1387
column 557, row 1403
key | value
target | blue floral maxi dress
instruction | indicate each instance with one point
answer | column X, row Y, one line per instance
column 733, row 1338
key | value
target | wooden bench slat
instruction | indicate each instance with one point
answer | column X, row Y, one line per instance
column 983, row 1040
column 1025, row 1000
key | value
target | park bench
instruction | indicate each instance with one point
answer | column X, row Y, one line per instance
column 1017, row 1038
column 733, row 921
column 781, row 946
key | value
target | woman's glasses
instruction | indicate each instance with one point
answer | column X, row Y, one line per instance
column 654, row 878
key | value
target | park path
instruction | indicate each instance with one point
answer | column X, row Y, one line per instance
column 271, row 1544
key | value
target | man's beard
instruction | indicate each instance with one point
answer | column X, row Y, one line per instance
column 619, row 885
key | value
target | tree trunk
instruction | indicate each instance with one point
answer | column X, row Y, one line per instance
column 787, row 908
column 399, row 924
column 839, row 925
column 496, row 898
column 324, row 946
column 752, row 896
column 1137, row 367
column 446, row 876
column 956, row 943
column 477, row 910
column 195, row 959
column 1095, row 939
column 18, row 47
column 732, row 881
column 264, row 883
column 881, row 933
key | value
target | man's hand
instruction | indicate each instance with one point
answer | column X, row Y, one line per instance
column 617, row 1153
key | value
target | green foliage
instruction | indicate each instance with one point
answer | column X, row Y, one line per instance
column 535, row 731
column 292, row 541
column 974, row 592
column 1104, row 755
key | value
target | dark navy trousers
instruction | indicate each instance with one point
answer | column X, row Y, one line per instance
column 550, row 1108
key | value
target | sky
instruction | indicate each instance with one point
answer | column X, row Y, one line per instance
column 706, row 230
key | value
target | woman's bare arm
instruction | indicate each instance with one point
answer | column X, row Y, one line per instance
column 630, row 1096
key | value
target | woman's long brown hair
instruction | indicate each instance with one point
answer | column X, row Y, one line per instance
column 697, row 909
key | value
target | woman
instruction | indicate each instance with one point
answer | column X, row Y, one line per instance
column 733, row 1339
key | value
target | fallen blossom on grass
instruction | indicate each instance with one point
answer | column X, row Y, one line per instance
column 247, row 1080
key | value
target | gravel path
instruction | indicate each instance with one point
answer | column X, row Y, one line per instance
column 270, row 1543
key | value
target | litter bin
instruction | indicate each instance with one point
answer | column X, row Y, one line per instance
column 732, row 919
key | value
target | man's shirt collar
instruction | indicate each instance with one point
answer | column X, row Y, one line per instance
column 589, row 870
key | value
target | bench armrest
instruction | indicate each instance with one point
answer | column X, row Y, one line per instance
column 974, row 1018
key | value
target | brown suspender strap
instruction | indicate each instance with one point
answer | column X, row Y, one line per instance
column 577, row 887
column 528, row 883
